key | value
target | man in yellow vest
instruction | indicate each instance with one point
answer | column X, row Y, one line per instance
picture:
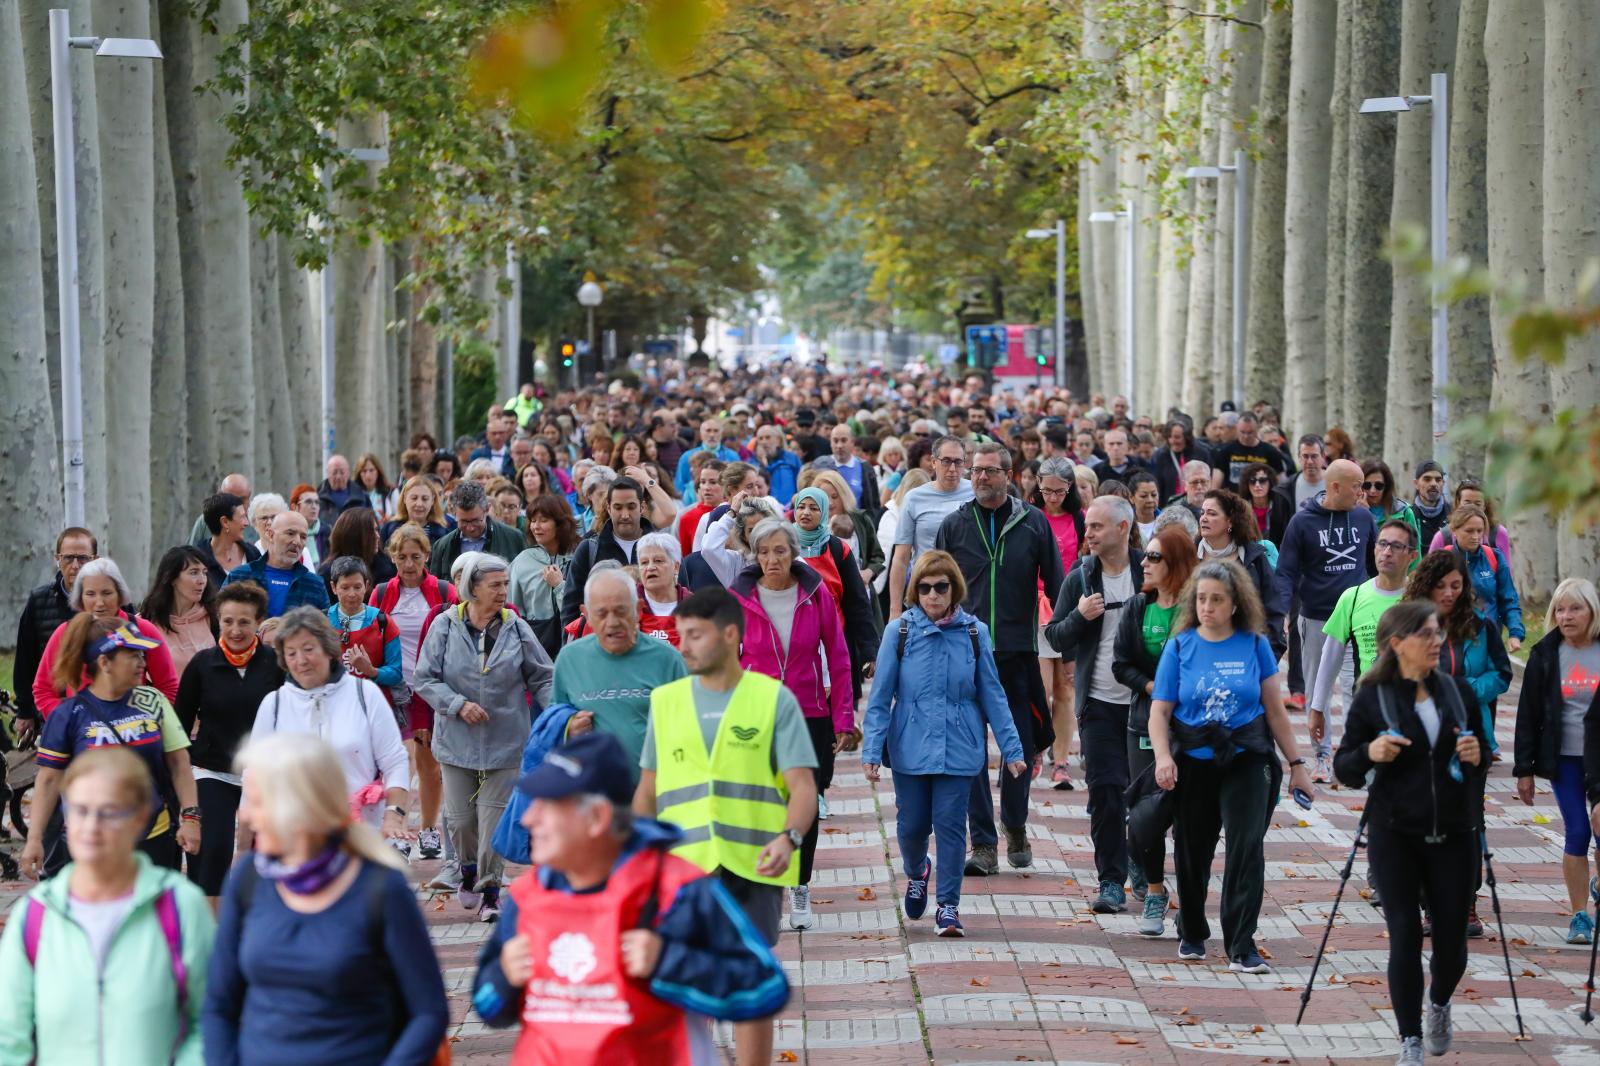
column 727, row 758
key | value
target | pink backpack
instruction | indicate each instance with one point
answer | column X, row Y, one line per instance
column 171, row 931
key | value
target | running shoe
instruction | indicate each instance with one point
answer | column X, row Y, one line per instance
column 489, row 909
column 1250, row 962
column 948, row 920
column 1019, row 853
column 800, row 913
column 468, row 893
column 448, row 878
column 403, row 847
column 428, row 843
column 1189, row 951
column 822, row 808
column 1474, row 923
column 1324, row 770
column 1296, row 701
column 1436, row 1028
column 1060, row 779
column 1111, row 900
column 1410, row 1052
column 917, row 892
column 983, row 862
column 1153, row 922
column 1581, row 929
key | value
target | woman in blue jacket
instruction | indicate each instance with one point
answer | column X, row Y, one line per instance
column 1489, row 572
column 935, row 687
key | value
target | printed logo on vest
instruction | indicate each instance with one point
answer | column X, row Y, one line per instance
column 572, row 957
column 745, row 733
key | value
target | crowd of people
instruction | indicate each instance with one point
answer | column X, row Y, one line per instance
column 646, row 619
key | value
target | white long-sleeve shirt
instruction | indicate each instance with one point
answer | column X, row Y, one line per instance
column 367, row 739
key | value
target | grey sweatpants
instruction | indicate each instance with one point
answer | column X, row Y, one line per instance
column 1312, row 638
column 474, row 800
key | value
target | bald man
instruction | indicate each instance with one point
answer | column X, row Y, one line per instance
column 288, row 581
column 234, row 485
column 1326, row 549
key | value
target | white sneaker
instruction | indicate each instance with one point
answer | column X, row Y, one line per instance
column 800, row 914
column 822, row 807
column 448, row 878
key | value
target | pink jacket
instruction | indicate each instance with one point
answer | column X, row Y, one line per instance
column 158, row 670
column 817, row 627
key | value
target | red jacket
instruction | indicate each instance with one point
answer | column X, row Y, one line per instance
column 158, row 671
column 818, row 626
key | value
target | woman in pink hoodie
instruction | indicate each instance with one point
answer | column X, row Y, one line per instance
column 101, row 590
column 793, row 632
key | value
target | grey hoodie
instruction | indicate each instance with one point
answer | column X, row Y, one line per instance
column 451, row 671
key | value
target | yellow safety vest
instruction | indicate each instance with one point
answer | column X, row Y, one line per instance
column 729, row 803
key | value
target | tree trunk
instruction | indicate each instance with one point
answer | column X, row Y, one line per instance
column 1105, row 195
column 400, row 371
column 30, row 477
column 1339, row 113
column 1427, row 44
column 1471, row 339
column 1369, row 278
column 276, row 457
column 360, row 372
column 424, row 383
column 1572, row 219
column 1306, row 221
column 1264, row 329
column 1514, row 167
column 1199, row 395
column 171, row 506
column 1088, row 289
column 303, row 359
column 214, row 235
column 1243, row 44
column 125, row 92
column 1173, row 290
column 36, row 62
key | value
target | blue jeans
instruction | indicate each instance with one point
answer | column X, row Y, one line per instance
column 933, row 804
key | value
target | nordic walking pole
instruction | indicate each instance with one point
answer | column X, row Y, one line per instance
column 1505, row 949
column 1588, row 999
column 1344, row 878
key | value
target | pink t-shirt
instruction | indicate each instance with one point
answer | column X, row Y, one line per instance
column 1066, row 531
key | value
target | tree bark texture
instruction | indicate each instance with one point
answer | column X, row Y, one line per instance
column 1369, row 279
column 1306, row 219
column 171, row 506
column 1471, row 339
column 35, row 20
column 1105, row 195
column 1242, row 43
column 303, row 359
column 1339, row 113
column 1264, row 327
column 1199, row 355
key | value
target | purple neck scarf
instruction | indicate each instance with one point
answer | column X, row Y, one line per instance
column 311, row 876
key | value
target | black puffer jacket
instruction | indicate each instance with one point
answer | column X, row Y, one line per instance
column 1537, row 748
column 1132, row 664
column 1415, row 793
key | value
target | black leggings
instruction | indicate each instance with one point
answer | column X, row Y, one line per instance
column 219, row 808
column 821, row 730
column 1149, row 862
column 1404, row 868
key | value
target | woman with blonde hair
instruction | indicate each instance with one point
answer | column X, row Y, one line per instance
column 321, row 955
column 914, row 478
column 421, row 504
column 78, row 958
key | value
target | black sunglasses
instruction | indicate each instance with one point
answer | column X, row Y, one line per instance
column 1153, row 557
column 1377, row 486
column 936, row 587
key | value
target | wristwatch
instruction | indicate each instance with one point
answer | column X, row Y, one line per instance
column 796, row 838
column 1296, row 762
column 401, row 811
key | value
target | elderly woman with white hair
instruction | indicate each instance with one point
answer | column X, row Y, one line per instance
column 726, row 547
column 480, row 668
column 660, row 558
column 101, row 590
column 322, row 698
column 321, row 953
column 264, row 507
column 591, row 502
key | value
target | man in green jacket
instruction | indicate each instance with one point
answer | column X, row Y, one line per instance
column 475, row 532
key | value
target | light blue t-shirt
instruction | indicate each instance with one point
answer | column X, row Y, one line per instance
column 278, row 584
column 1214, row 681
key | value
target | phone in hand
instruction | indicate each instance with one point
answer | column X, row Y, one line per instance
column 1302, row 797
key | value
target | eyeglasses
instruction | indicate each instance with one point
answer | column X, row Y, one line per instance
column 110, row 816
column 1153, row 557
column 987, row 471
column 946, row 461
column 1263, row 480
column 75, row 560
column 1429, row 633
column 1374, row 486
column 933, row 588
column 1393, row 546
column 1056, row 494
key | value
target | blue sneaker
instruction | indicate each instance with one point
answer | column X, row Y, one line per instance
column 1250, row 962
column 917, row 892
column 1153, row 922
column 1189, row 951
column 1581, row 929
column 948, row 921
column 1111, row 900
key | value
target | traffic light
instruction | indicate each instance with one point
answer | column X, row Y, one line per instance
column 566, row 353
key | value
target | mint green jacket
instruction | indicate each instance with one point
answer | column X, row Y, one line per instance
column 64, row 1011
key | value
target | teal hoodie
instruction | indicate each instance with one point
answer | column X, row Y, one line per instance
column 62, row 1012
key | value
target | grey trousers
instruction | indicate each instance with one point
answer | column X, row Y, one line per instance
column 474, row 800
column 1312, row 638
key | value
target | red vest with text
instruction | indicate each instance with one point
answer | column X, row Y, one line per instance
column 578, row 1007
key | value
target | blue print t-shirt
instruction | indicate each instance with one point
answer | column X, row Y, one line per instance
column 1214, row 681
column 278, row 582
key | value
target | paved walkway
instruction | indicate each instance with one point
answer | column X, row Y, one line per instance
column 1041, row 978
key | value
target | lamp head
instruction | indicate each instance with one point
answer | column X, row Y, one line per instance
column 1040, row 234
column 1203, row 172
column 1381, row 105
column 1103, row 216
column 590, row 294
column 128, row 48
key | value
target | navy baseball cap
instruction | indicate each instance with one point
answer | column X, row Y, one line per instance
column 591, row 763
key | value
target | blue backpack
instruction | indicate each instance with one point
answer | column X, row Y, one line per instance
column 549, row 729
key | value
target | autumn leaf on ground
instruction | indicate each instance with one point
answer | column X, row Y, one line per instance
column 787, row 1056
column 1127, row 1040
column 979, row 982
column 1519, row 942
column 866, row 893
column 1265, row 954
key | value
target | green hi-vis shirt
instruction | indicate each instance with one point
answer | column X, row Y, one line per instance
column 1356, row 614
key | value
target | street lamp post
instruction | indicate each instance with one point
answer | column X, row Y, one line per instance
column 1241, row 234
column 589, row 295
column 1059, row 232
column 61, row 41
column 330, row 411
column 1130, row 275
column 1438, row 99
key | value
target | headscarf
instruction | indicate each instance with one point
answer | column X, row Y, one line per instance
column 814, row 542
